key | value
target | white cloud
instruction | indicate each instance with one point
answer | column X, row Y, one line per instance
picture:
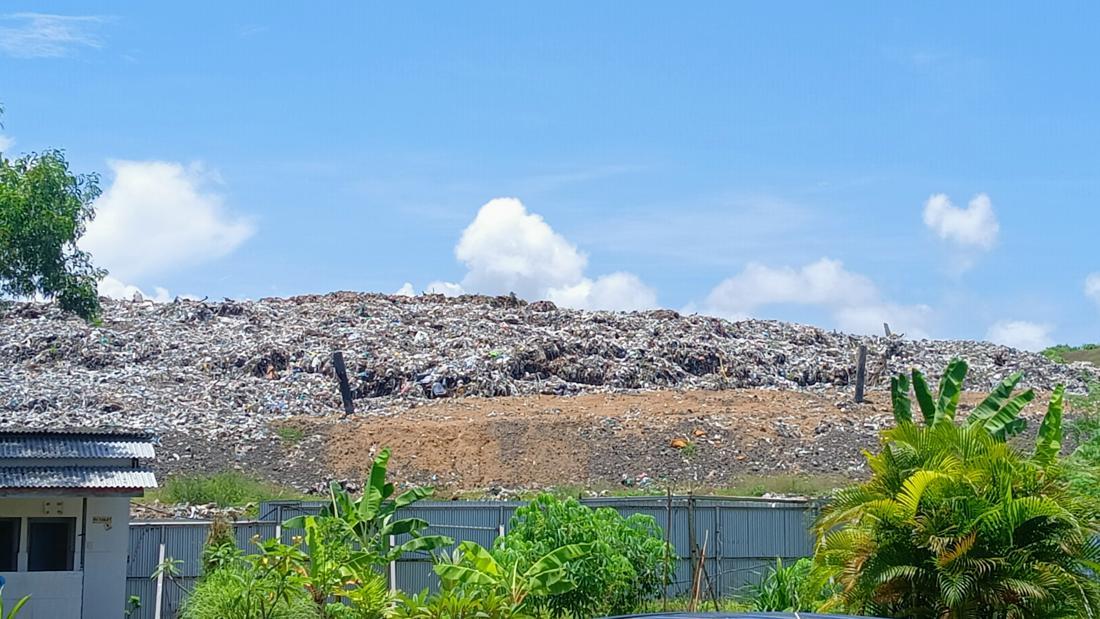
column 406, row 290
column 974, row 227
column 156, row 217
column 115, row 289
column 853, row 299
column 617, row 291
column 448, row 289
column 1092, row 287
column 6, row 142
column 1021, row 334
column 508, row 249
column 41, row 35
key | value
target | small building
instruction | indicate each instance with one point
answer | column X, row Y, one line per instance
column 64, row 518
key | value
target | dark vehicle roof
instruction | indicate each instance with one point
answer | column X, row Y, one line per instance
column 748, row 615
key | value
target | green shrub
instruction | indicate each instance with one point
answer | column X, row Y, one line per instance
column 625, row 566
column 224, row 489
column 220, row 549
column 787, row 588
column 230, row 593
column 454, row 603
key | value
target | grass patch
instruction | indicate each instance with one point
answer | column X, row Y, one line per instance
column 225, row 489
column 1069, row 354
column 743, row 486
column 290, row 434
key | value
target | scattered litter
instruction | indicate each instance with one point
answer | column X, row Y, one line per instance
column 224, row 370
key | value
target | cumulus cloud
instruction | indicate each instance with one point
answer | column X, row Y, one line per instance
column 1021, row 334
column 156, row 217
column 1092, row 287
column 853, row 299
column 617, row 291
column 406, row 290
column 6, row 142
column 41, row 35
column 447, row 289
column 973, row 227
column 115, row 289
column 507, row 249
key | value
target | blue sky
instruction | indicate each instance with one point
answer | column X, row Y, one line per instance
column 775, row 160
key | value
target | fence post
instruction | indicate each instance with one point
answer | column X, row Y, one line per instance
column 160, row 579
column 668, row 550
column 393, row 567
column 691, row 534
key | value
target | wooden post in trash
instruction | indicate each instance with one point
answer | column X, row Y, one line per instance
column 886, row 328
column 861, row 372
column 342, row 376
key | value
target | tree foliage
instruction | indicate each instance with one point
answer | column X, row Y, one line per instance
column 44, row 209
column 954, row 522
column 625, row 565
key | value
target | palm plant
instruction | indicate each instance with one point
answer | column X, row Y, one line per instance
column 955, row 522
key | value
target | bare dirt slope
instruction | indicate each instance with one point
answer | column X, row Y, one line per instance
column 603, row 440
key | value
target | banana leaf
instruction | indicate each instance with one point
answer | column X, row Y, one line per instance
column 1003, row 423
column 899, row 396
column 951, row 386
column 924, row 398
column 1049, row 442
column 995, row 400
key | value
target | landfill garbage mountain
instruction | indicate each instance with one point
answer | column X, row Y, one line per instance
column 219, row 377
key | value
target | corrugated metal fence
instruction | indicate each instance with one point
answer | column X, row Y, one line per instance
column 742, row 536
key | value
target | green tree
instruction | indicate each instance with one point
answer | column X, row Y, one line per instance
column 625, row 565
column 955, row 522
column 44, row 209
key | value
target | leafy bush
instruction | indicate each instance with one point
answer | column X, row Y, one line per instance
column 454, row 602
column 788, row 588
column 474, row 568
column 234, row 592
column 220, row 549
column 625, row 565
column 1064, row 354
column 224, row 489
column 954, row 522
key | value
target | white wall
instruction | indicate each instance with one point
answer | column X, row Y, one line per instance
column 101, row 588
column 54, row 595
column 105, row 557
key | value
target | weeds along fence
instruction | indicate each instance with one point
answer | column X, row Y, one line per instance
column 742, row 538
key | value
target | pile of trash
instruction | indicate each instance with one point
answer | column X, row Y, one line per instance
column 223, row 370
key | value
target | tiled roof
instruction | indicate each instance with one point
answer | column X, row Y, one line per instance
column 25, row 446
column 97, row 431
column 46, row 477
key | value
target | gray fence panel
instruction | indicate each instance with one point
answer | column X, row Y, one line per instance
column 146, row 590
column 743, row 539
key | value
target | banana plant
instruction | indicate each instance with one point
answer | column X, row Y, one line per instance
column 473, row 566
column 372, row 519
column 998, row 414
